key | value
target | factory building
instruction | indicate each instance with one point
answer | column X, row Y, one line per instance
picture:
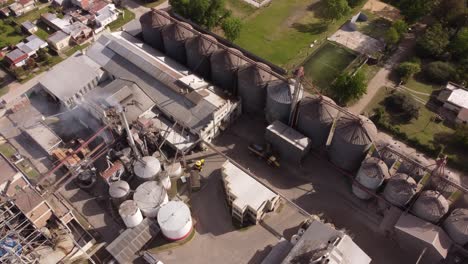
column 249, row 199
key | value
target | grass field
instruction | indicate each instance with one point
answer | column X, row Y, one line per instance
column 283, row 31
column 240, row 8
column 123, row 19
column 8, row 35
column 326, row 64
column 34, row 14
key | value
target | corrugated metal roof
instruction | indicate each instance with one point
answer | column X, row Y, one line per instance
column 279, row 91
column 314, row 107
column 360, row 131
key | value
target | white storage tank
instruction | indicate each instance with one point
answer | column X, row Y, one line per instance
column 400, row 189
column 165, row 180
column 119, row 191
column 430, row 206
column 174, row 170
column 130, row 213
column 175, row 220
column 147, row 168
column 149, row 197
column 456, row 226
column 371, row 174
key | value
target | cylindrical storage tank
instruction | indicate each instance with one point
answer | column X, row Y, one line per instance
column 147, row 168
column 456, row 226
column 175, row 220
column 119, row 191
column 224, row 66
column 251, row 82
column 174, row 170
column 152, row 23
column 430, row 206
column 352, row 139
column 174, row 36
column 400, row 189
column 130, row 213
column 371, row 175
column 316, row 115
column 199, row 50
column 149, row 197
column 442, row 185
column 165, row 180
column 278, row 101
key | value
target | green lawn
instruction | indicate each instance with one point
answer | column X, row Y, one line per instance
column 76, row 48
column 326, row 64
column 240, row 8
column 375, row 27
column 369, row 71
column 124, row 18
column 283, row 31
column 34, row 14
column 41, row 33
column 420, row 86
column 8, row 35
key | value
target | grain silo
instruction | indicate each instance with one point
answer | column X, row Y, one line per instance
column 130, row 213
column 149, row 197
column 224, row 66
column 152, row 23
column 456, row 226
column 119, row 191
column 199, row 50
column 315, row 118
column 252, row 81
column 400, row 189
column 278, row 101
column 412, row 168
column 371, row 175
column 147, row 168
column 430, row 206
column 174, row 37
column 352, row 139
column 442, row 183
column 175, row 220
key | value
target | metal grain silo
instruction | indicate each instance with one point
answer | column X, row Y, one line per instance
column 174, row 37
column 278, row 101
column 371, row 174
column 400, row 189
column 251, row 82
column 352, row 139
column 315, row 119
column 224, row 66
column 430, row 206
column 456, row 225
column 152, row 23
column 199, row 50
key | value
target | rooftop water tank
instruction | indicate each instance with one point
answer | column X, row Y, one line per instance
column 224, row 66
column 430, row 206
column 315, row 118
column 152, row 23
column 400, row 189
column 130, row 213
column 456, row 225
column 174, row 36
column 119, row 191
column 199, row 50
column 149, row 197
column 175, row 220
column 352, row 139
column 371, row 175
column 278, row 101
column 252, row 81
column 147, row 168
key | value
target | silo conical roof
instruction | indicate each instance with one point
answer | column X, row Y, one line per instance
column 358, row 131
column 229, row 59
column 177, row 31
column 373, row 167
column 400, row 189
column 456, row 225
column 279, row 91
column 154, row 18
column 255, row 74
column 204, row 44
column 430, row 206
column 318, row 107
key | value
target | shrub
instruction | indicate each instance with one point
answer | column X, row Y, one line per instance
column 407, row 69
column 403, row 105
column 434, row 42
column 439, row 72
column 392, row 37
column 400, row 26
column 349, row 87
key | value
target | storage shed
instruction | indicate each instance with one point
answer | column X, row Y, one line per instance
column 290, row 144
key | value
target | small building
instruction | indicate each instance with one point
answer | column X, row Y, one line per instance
column 59, row 41
column 44, row 137
column 21, row 7
column 11, row 178
column 16, row 58
column 249, row 199
column 5, row 11
column 29, row 27
column 455, row 99
column 79, row 32
column 55, row 22
column 290, row 144
column 31, row 45
column 323, row 242
column 106, row 15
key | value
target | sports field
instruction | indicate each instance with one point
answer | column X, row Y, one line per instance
column 322, row 67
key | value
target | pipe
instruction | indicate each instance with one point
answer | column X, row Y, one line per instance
column 129, row 134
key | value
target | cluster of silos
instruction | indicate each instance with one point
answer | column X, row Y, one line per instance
column 279, row 100
column 224, row 66
column 175, row 220
column 315, row 118
column 152, row 24
column 352, row 139
column 174, row 37
column 456, row 226
column 430, row 206
column 252, row 80
column 199, row 50
column 371, row 175
column 400, row 189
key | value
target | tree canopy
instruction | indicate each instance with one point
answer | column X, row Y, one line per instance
column 407, row 69
column 206, row 13
column 349, row 87
column 232, row 27
column 404, row 106
column 413, row 10
column 434, row 42
column 392, row 37
column 336, row 9
column 459, row 45
column 439, row 72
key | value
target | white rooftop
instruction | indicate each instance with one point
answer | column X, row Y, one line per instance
column 289, row 134
column 43, row 136
column 459, row 97
column 248, row 191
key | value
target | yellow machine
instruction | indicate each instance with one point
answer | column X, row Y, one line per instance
column 199, row 164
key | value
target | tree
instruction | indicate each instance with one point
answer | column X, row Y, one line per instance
column 400, row 26
column 336, row 9
column 18, row 30
column 404, row 106
column 413, row 10
column 434, row 42
column 407, row 69
column 450, row 10
column 439, row 72
column 392, row 37
column 30, row 64
column 354, row 3
column 207, row 13
column 42, row 55
column 349, row 87
column 232, row 27
column 459, row 45
column 460, row 137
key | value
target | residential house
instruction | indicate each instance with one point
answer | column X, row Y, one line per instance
column 59, row 41
column 29, row 27
column 21, row 7
column 455, row 99
column 5, row 12
column 106, row 15
column 16, row 58
column 55, row 22
column 79, row 32
column 31, row 45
